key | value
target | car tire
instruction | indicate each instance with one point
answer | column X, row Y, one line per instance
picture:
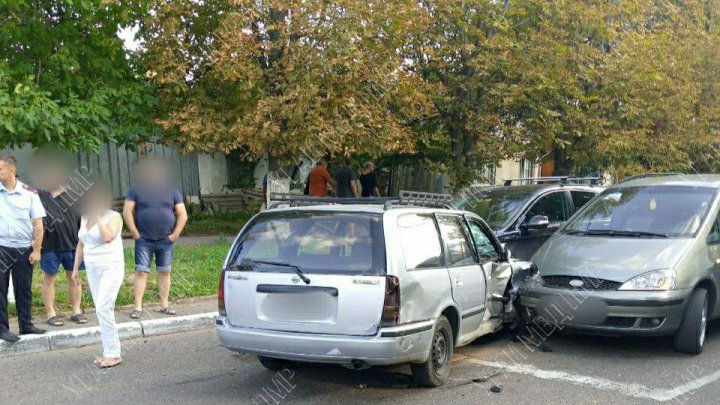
column 690, row 338
column 436, row 369
column 274, row 364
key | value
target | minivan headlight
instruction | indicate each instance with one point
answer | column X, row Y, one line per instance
column 657, row 280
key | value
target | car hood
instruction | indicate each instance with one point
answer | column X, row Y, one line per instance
column 609, row 258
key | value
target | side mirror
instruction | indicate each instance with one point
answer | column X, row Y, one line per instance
column 536, row 222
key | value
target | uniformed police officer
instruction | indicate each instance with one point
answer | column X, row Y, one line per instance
column 21, row 234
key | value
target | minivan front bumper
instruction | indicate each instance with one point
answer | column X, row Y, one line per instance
column 649, row 313
column 404, row 344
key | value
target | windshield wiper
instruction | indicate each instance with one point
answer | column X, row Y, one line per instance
column 610, row 232
column 295, row 268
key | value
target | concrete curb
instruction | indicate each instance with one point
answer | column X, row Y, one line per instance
column 63, row 339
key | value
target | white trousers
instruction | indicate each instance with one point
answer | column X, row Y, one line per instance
column 105, row 280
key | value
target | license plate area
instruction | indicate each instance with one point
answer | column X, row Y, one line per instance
column 297, row 304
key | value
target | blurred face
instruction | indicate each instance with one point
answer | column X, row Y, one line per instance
column 51, row 176
column 152, row 173
column 7, row 171
column 96, row 203
column 371, row 167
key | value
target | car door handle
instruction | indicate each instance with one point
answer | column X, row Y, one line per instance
column 458, row 281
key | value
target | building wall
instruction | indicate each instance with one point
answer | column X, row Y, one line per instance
column 512, row 169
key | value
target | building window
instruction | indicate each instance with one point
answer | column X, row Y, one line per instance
column 486, row 174
column 526, row 168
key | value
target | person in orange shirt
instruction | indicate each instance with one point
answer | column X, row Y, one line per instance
column 319, row 179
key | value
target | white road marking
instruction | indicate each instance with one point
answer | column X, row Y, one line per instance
column 687, row 388
column 632, row 390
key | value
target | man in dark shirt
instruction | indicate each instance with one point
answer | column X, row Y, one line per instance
column 155, row 214
column 346, row 181
column 62, row 223
column 368, row 181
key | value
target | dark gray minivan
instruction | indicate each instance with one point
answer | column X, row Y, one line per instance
column 642, row 258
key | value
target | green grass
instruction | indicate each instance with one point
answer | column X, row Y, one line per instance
column 195, row 273
column 222, row 223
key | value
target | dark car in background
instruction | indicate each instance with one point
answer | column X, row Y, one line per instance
column 524, row 216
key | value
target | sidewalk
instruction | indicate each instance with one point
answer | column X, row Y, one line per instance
column 192, row 314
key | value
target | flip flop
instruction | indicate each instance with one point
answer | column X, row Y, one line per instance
column 135, row 314
column 79, row 319
column 107, row 362
column 55, row 321
column 168, row 311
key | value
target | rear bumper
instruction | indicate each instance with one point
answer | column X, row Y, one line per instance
column 641, row 313
column 404, row 344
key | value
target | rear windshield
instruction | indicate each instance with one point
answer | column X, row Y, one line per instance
column 670, row 211
column 316, row 242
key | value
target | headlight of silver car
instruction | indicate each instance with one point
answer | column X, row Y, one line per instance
column 657, row 280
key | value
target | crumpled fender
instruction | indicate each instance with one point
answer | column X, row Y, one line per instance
column 522, row 270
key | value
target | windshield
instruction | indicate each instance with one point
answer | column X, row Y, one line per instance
column 666, row 211
column 315, row 242
column 497, row 206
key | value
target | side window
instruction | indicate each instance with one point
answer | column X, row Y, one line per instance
column 581, row 198
column 714, row 236
column 458, row 246
column 483, row 244
column 420, row 241
column 554, row 206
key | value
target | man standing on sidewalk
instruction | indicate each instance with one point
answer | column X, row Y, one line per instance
column 61, row 224
column 21, row 235
column 155, row 214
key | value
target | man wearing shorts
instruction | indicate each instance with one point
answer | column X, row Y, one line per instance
column 62, row 223
column 155, row 214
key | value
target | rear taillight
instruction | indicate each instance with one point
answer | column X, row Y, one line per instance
column 221, row 295
column 391, row 306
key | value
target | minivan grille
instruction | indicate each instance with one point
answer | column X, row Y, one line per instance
column 589, row 283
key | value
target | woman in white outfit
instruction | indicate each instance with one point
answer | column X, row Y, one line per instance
column 100, row 246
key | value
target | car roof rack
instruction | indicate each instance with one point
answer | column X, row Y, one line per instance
column 406, row 198
column 557, row 179
column 647, row 175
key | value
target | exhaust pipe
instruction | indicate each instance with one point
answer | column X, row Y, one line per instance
column 357, row 365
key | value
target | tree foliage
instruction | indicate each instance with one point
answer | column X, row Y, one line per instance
column 624, row 86
column 65, row 78
column 284, row 77
column 621, row 86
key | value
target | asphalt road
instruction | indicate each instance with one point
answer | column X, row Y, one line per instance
column 193, row 368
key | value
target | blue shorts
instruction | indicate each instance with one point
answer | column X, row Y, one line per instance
column 50, row 261
column 162, row 250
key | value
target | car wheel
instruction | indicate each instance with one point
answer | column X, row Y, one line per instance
column 436, row 369
column 690, row 338
column 275, row 364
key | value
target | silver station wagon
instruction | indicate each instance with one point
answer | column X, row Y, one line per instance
column 642, row 258
column 363, row 285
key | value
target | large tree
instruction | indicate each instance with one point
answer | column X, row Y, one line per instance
column 283, row 77
column 596, row 85
column 65, row 78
